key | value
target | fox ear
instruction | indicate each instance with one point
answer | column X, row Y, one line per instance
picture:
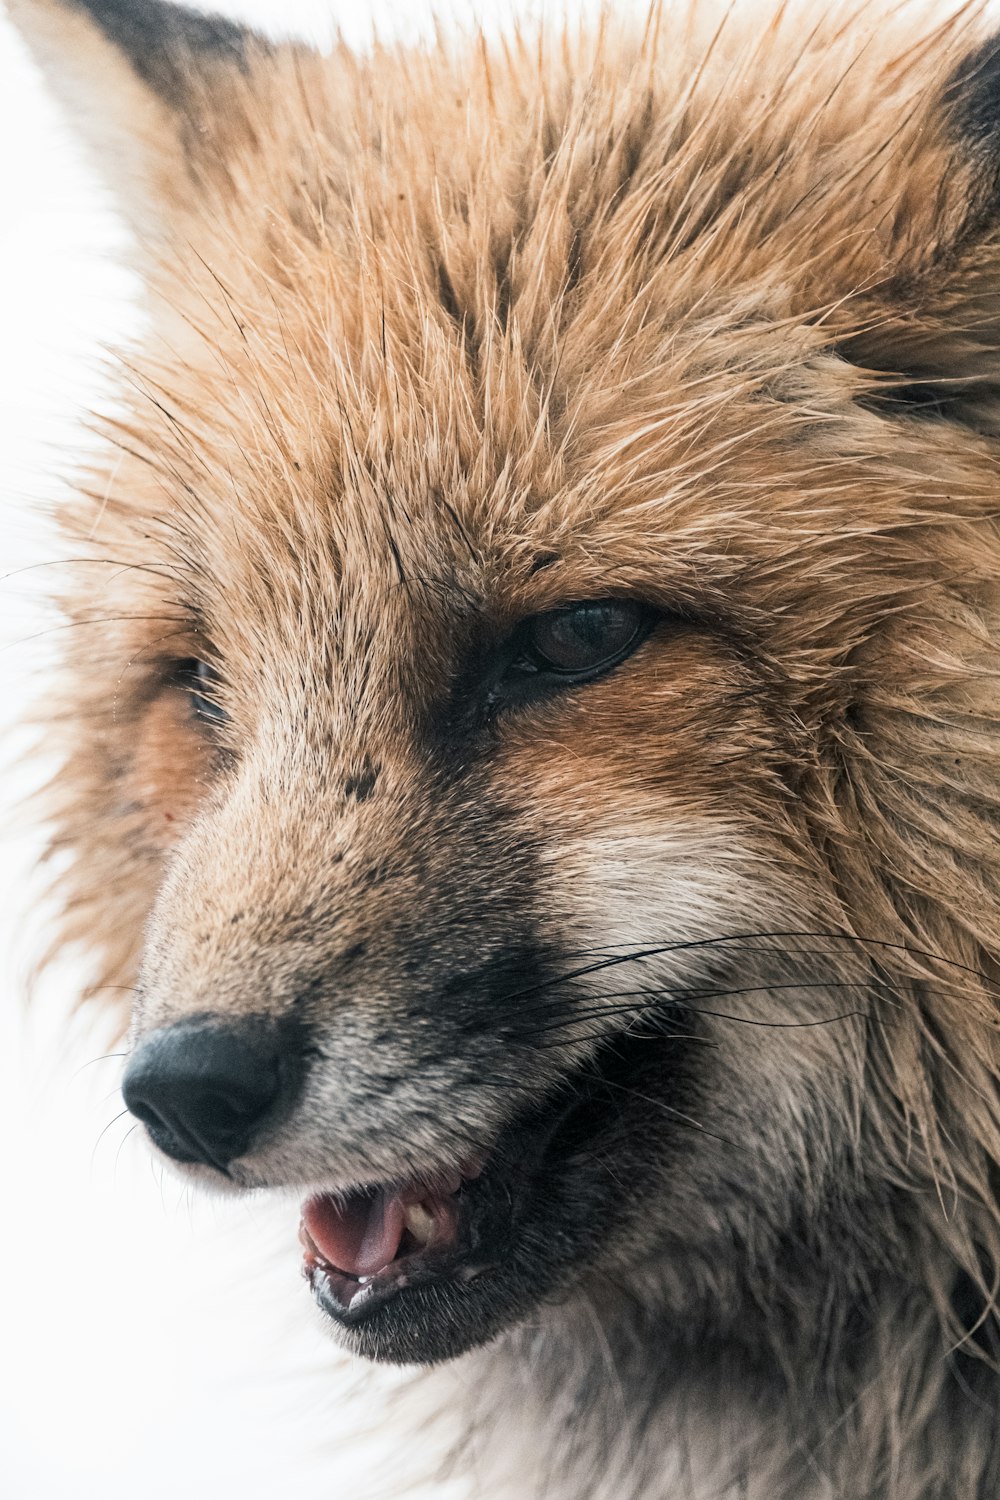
column 152, row 88
column 934, row 331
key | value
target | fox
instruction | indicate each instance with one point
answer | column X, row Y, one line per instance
column 529, row 720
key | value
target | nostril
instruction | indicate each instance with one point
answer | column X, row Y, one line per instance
column 226, row 1118
column 204, row 1088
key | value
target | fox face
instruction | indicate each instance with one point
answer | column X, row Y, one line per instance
column 532, row 749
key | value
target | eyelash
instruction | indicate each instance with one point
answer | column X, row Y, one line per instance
column 194, row 675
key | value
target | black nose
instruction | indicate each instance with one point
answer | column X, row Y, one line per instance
column 203, row 1087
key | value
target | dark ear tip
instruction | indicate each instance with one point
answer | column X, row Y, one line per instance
column 972, row 95
column 162, row 40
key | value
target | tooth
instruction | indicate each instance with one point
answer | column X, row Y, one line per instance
column 419, row 1222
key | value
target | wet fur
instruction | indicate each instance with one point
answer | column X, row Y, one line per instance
column 704, row 311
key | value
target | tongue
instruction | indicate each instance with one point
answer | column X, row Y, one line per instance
column 360, row 1236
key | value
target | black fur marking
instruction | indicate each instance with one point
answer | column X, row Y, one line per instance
column 361, row 784
column 917, row 399
column 449, row 297
column 915, row 387
column 972, row 96
column 463, row 318
column 166, row 43
column 940, row 402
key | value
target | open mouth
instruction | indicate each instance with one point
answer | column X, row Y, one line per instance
column 363, row 1248
column 475, row 1246
column 366, row 1250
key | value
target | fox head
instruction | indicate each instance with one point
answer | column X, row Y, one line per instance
column 531, row 743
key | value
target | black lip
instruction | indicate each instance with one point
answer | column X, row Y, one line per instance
column 350, row 1302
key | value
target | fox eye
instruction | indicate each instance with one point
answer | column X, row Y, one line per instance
column 199, row 679
column 582, row 639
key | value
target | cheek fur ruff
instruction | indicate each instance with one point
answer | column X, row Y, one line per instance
column 701, row 311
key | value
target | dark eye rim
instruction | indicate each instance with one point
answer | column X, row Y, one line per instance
column 526, row 668
column 198, row 678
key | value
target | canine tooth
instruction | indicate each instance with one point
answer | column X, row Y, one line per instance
column 419, row 1222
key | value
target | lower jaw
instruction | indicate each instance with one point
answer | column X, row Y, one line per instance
column 418, row 1324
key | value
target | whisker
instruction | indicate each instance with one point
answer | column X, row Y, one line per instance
column 749, row 940
column 102, row 562
column 671, row 1110
column 121, row 1144
column 659, row 1033
column 105, row 1057
column 113, row 1121
column 38, row 635
column 653, row 1035
column 681, row 999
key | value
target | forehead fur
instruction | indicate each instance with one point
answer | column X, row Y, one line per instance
column 460, row 315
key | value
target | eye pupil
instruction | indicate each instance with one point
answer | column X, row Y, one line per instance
column 584, row 637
